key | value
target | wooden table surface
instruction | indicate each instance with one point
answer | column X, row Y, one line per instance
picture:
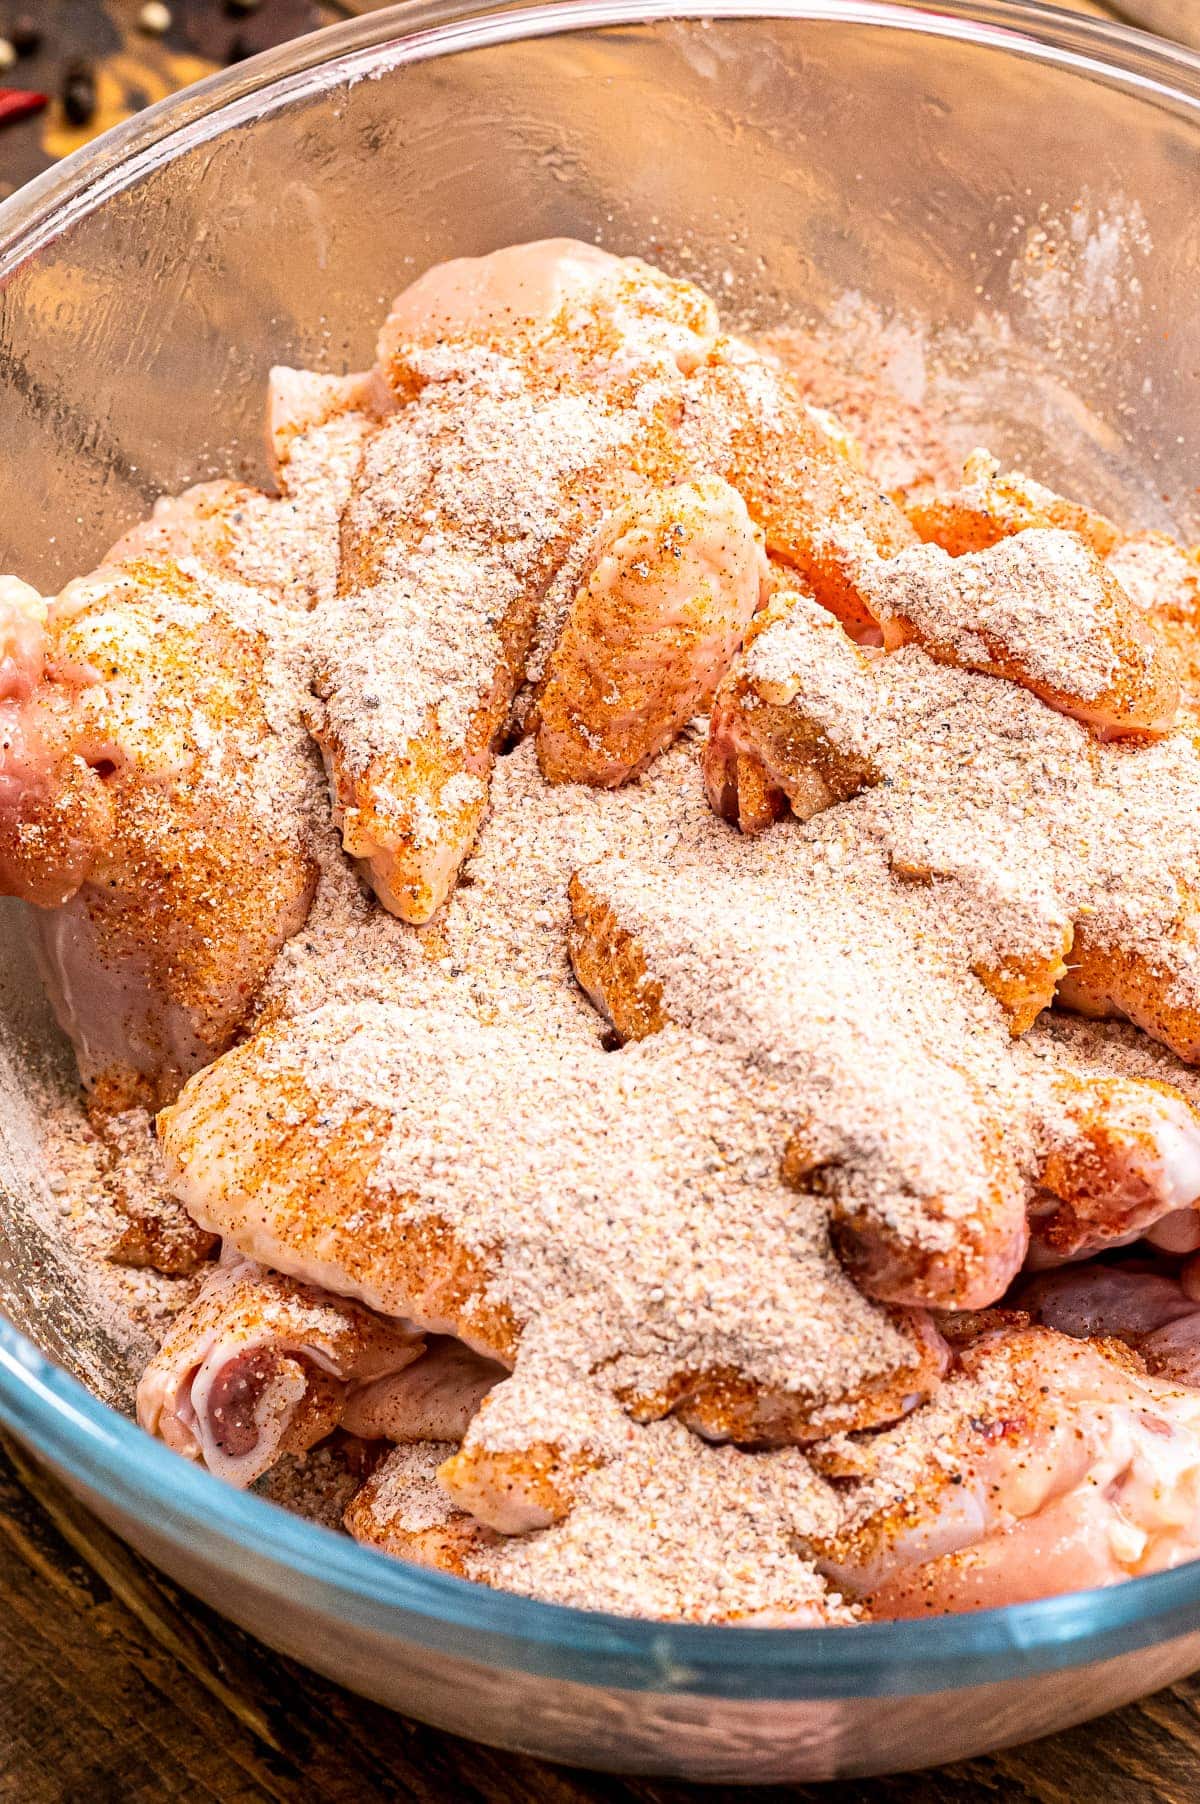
column 116, row 1688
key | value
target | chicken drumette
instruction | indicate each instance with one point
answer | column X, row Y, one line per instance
column 1045, row 1465
column 567, row 1264
column 573, row 492
column 149, row 809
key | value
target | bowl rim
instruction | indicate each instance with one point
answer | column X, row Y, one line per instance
column 415, row 30
column 139, row 1480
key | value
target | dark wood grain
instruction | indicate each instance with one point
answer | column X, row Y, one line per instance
column 115, row 1687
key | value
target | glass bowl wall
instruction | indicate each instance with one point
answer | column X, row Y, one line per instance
column 1025, row 181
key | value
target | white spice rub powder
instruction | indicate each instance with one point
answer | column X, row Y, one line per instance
column 643, row 1112
column 669, row 1528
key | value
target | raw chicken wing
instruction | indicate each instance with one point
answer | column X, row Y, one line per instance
column 434, row 1399
column 149, row 809
column 260, row 1365
column 675, row 580
column 991, row 506
column 1121, row 1153
column 467, row 506
column 695, row 941
column 745, row 419
column 963, row 779
column 975, row 612
column 1044, row 1465
column 1152, row 1307
column 324, row 1163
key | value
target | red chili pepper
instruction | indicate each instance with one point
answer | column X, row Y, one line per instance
column 18, row 103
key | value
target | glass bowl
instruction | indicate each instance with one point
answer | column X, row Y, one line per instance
column 1002, row 162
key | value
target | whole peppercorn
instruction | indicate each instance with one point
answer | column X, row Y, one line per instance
column 79, row 93
column 154, row 19
column 25, row 36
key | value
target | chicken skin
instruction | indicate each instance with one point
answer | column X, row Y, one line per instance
column 1045, row 1465
column 673, row 1165
column 326, row 1165
column 147, row 810
column 435, row 1399
column 675, row 582
column 1121, row 1157
column 747, row 419
column 258, row 1366
column 974, row 612
column 571, row 493
column 962, row 778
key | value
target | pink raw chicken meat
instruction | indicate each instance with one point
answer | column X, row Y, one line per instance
column 1045, row 1465
column 149, row 809
column 260, row 1365
column 1151, row 1306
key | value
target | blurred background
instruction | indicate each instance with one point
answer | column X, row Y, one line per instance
column 71, row 68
